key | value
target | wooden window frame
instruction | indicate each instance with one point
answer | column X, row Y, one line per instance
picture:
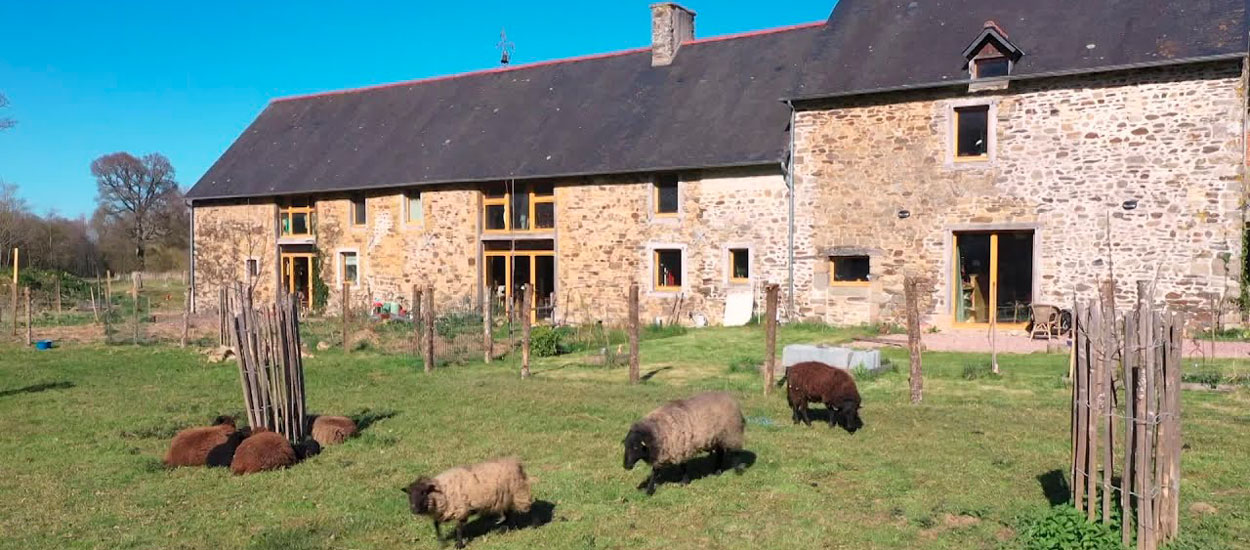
column 286, row 218
column 509, row 272
column 975, row 66
column 655, row 196
column 341, row 265
column 405, row 199
column 732, row 252
column 656, row 286
column 351, row 211
column 505, row 201
column 956, row 113
column 833, row 266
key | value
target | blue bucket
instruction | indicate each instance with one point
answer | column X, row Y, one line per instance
column 43, row 345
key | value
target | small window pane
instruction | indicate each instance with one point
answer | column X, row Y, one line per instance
column 972, row 133
column 666, row 194
column 253, row 268
column 414, row 206
column 544, row 215
column 668, row 272
column 740, row 260
column 850, row 269
column 358, row 211
column 299, row 224
column 991, row 67
column 495, row 219
column 351, row 268
column 520, row 212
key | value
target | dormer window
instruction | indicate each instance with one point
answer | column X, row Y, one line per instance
column 991, row 55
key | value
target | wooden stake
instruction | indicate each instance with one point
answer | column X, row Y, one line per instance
column 1129, row 357
column 30, row 340
column 911, row 295
column 95, row 311
column 527, row 302
column 415, row 314
column 633, row 334
column 1095, row 420
column 770, row 336
column 488, row 327
column 1106, row 333
column 428, row 347
column 1079, row 481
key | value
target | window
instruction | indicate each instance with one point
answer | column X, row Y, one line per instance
column 296, row 217
column 349, row 268
column 668, row 270
column 252, row 267
column 518, row 207
column 990, row 67
column 739, row 265
column 667, row 197
column 412, row 207
column 848, row 270
column 972, row 132
column 358, row 212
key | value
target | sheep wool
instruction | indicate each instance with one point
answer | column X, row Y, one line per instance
column 332, row 430
column 820, row 383
column 190, row 447
column 687, row 427
column 263, row 450
column 496, row 487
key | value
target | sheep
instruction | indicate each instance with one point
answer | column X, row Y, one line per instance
column 332, row 430
column 498, row 487
column 221, row 455
column 820, row 383
column 191, row 447
column 261, row 451
column 678, row 431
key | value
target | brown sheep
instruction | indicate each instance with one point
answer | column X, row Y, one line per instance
column 332, row 430
column 812, row 382
column 498, row 487
column 190, row 447
column 261, row 451
column 680, row 430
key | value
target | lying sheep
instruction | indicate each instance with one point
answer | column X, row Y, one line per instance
column 265, row 450
column 820, row 383
column 332, row 430
column 498, row 487
column 680, row 430
column 191, row 447
column 221, row 455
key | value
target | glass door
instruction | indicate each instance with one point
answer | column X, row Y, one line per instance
column 993, row 277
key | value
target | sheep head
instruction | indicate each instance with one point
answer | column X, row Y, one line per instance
column 224, row 420
column 639, row 445
column 848, row 416
column 419, row 493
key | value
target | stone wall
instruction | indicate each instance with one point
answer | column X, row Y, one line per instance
column 1067, row 153
column 226, row 236
column 606, row 236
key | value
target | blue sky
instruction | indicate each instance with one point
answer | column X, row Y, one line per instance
column 87, row 78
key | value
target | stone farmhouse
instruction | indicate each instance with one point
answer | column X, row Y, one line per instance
column 1010, row 152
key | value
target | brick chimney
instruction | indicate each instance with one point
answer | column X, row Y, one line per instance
column 671, row 24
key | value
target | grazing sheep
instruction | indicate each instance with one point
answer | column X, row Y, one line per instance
column 332, row 430
column 820, row 383
column 191, row 447
column 498, row 487
column 261, row 451
column 680, row 430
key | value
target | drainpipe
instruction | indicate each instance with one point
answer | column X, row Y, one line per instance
column 789, row 168
column 191, row 253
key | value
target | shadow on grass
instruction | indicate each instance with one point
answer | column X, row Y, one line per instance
column 701, row 467
column 652, row 374
column 366, row 418
column 1055, row 487
column 541, row 513
column 36, row 388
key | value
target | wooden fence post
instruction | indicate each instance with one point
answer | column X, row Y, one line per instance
column 770, row 336
column 1145, row 508
column 1082, row 411
column 1093, row 416
column 911, row 296
column 186, row 319
column 134, row 297
column 428, row 345
column 527, row 303
column 633, row 333
column 14, row 302
column 345, row 298
column 417, row 320
column 29, row 336
column 488, row 327
column 1128, row 354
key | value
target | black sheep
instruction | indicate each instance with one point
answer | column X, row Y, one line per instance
column 812, row 382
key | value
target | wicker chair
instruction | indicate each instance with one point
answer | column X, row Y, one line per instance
column 1045, row 321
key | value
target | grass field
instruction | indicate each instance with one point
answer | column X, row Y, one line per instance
column 82, row 431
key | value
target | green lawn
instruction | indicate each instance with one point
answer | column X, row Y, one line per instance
column 82, row 431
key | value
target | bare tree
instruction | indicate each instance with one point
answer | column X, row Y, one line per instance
column 13, row 214
column 134, row 193
column 6, row 122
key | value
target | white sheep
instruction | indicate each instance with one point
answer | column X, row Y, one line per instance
column 498, row 487
column 680, row 430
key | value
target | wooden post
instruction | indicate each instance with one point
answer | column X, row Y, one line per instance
column 1079, row 484
column 488, row 328
column 186, row 320
column 134, row 297
column 1146, row 411
column 1128, row 346
column 527, row 302
column 95, row 310
column 633, row 333
column 770, row 336
column 911, row 295
column 994, row 341
column 417, row 320
column 428, row 345
column 345, row 298
column 30, row 340
column 1094, row 415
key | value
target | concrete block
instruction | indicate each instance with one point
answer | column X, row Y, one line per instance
column 842, row 358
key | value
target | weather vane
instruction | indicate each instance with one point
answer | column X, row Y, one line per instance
column 505, row 47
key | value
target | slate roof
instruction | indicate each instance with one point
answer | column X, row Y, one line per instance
column 718, row 104
column 879, row 45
